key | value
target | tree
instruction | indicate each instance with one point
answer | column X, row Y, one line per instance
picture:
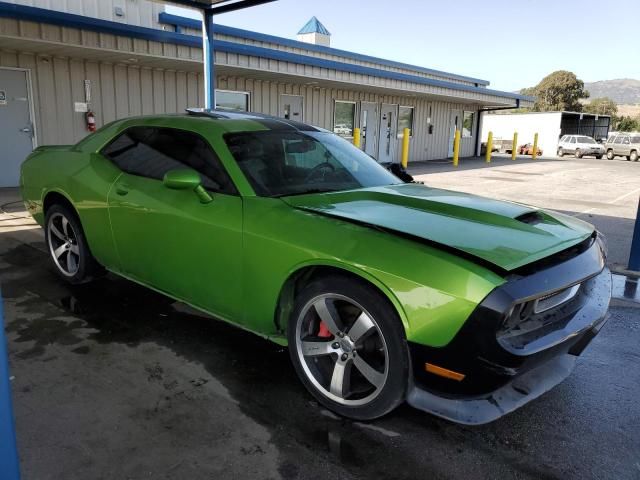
column 602, row 106
column 626, row 124
column 558, row 91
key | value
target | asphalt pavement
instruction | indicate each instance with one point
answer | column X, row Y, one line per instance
column 112, row 380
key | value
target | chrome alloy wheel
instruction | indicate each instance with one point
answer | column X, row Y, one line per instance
column 63, row 244
column 341, row 349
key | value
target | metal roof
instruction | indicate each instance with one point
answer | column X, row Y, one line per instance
column 314, row 26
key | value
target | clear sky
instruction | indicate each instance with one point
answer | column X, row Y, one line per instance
column 511, row 43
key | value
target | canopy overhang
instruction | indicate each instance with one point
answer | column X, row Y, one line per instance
column 209, row 8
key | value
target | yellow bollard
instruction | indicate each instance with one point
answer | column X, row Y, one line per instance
column 406, row 133
column 356, row 137
column 489, row 147
column 514, row 145
column 456, row 147
column 534, row 154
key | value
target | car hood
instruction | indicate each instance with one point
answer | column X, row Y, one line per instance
column 507, row 235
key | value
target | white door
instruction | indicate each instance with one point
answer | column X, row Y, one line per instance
column 369, row 127
column 454, row 124
column 291, row 107
column 16, row 126
column 387, row 140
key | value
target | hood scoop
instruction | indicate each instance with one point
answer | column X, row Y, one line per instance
column 531, row 218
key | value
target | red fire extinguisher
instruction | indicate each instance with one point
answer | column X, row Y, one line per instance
column 90, row 119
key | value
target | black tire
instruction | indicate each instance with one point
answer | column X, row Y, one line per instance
column 628, row 157
column 560, row 152
column 73, row 243
column 387, row 333
column 578, row 153
column 599, row 157
column 634, row 156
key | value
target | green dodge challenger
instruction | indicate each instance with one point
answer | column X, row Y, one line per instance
column 384, row 291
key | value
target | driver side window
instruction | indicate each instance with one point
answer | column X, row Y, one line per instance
column 152, row 151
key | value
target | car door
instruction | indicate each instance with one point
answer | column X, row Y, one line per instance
column 573, row 144
column 625, row 148
column 617, row 145
column 168, row 238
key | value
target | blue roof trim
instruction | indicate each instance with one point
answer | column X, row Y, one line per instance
column 314, row 26
column 78, row 21
column 186, row 22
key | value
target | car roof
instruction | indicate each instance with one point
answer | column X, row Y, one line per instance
column 224, row 120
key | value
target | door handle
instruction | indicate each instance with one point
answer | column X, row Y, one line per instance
column 122, row 188
column 25, row 130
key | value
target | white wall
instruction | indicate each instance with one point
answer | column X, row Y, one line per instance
column 547, row 125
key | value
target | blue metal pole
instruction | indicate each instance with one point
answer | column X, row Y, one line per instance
column 8, row 451
column 209, row 60
column 634, row 255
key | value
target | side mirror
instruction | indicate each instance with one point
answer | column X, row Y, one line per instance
column 186, row 179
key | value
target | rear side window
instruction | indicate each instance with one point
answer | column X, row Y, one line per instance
column 151, row 152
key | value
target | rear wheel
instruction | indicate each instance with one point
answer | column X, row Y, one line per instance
column 578, row 153
column 348, row 347
column 68, row 246
column 610, row 154
column 634, row 156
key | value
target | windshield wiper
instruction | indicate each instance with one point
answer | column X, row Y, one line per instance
column 304, row 192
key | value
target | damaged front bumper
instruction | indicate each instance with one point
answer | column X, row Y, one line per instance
column 508, row 351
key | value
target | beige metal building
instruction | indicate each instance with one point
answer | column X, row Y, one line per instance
column 120, row 58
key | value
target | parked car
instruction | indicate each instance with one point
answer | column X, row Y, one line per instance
column 483, row 148
column 623, row 144
column 527, row 149
column 384, row 291
column 342, row 129
column 580, row 146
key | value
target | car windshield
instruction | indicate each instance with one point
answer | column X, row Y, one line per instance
column 278, row 163
column 585, row 140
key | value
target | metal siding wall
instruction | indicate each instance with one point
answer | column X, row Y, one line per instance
column 136, row 12
column 120, row 90
column 117, row 91
column 319, row 108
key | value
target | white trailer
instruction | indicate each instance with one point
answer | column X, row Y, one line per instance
column 549, row 126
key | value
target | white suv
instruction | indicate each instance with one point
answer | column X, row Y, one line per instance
column 579, row 146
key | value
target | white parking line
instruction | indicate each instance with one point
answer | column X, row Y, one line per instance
column 621, row 197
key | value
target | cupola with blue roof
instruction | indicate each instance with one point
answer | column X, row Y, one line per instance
column 315, row 32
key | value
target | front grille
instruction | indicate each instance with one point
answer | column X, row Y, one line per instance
column 535, row 319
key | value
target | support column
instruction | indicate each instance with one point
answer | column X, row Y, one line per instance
column 209, row 60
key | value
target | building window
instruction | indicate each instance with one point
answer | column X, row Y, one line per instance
column 467, row 124
column 232, row 100
column 405, row 120
column 344, row 118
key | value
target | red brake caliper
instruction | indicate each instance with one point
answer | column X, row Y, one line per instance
column 323, row 331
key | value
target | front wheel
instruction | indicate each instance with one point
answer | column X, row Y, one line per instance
column 560, row 152
column 348, row 347
column 578, row 153
column 68, row 246
column 610, row 155
column 599, row 157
